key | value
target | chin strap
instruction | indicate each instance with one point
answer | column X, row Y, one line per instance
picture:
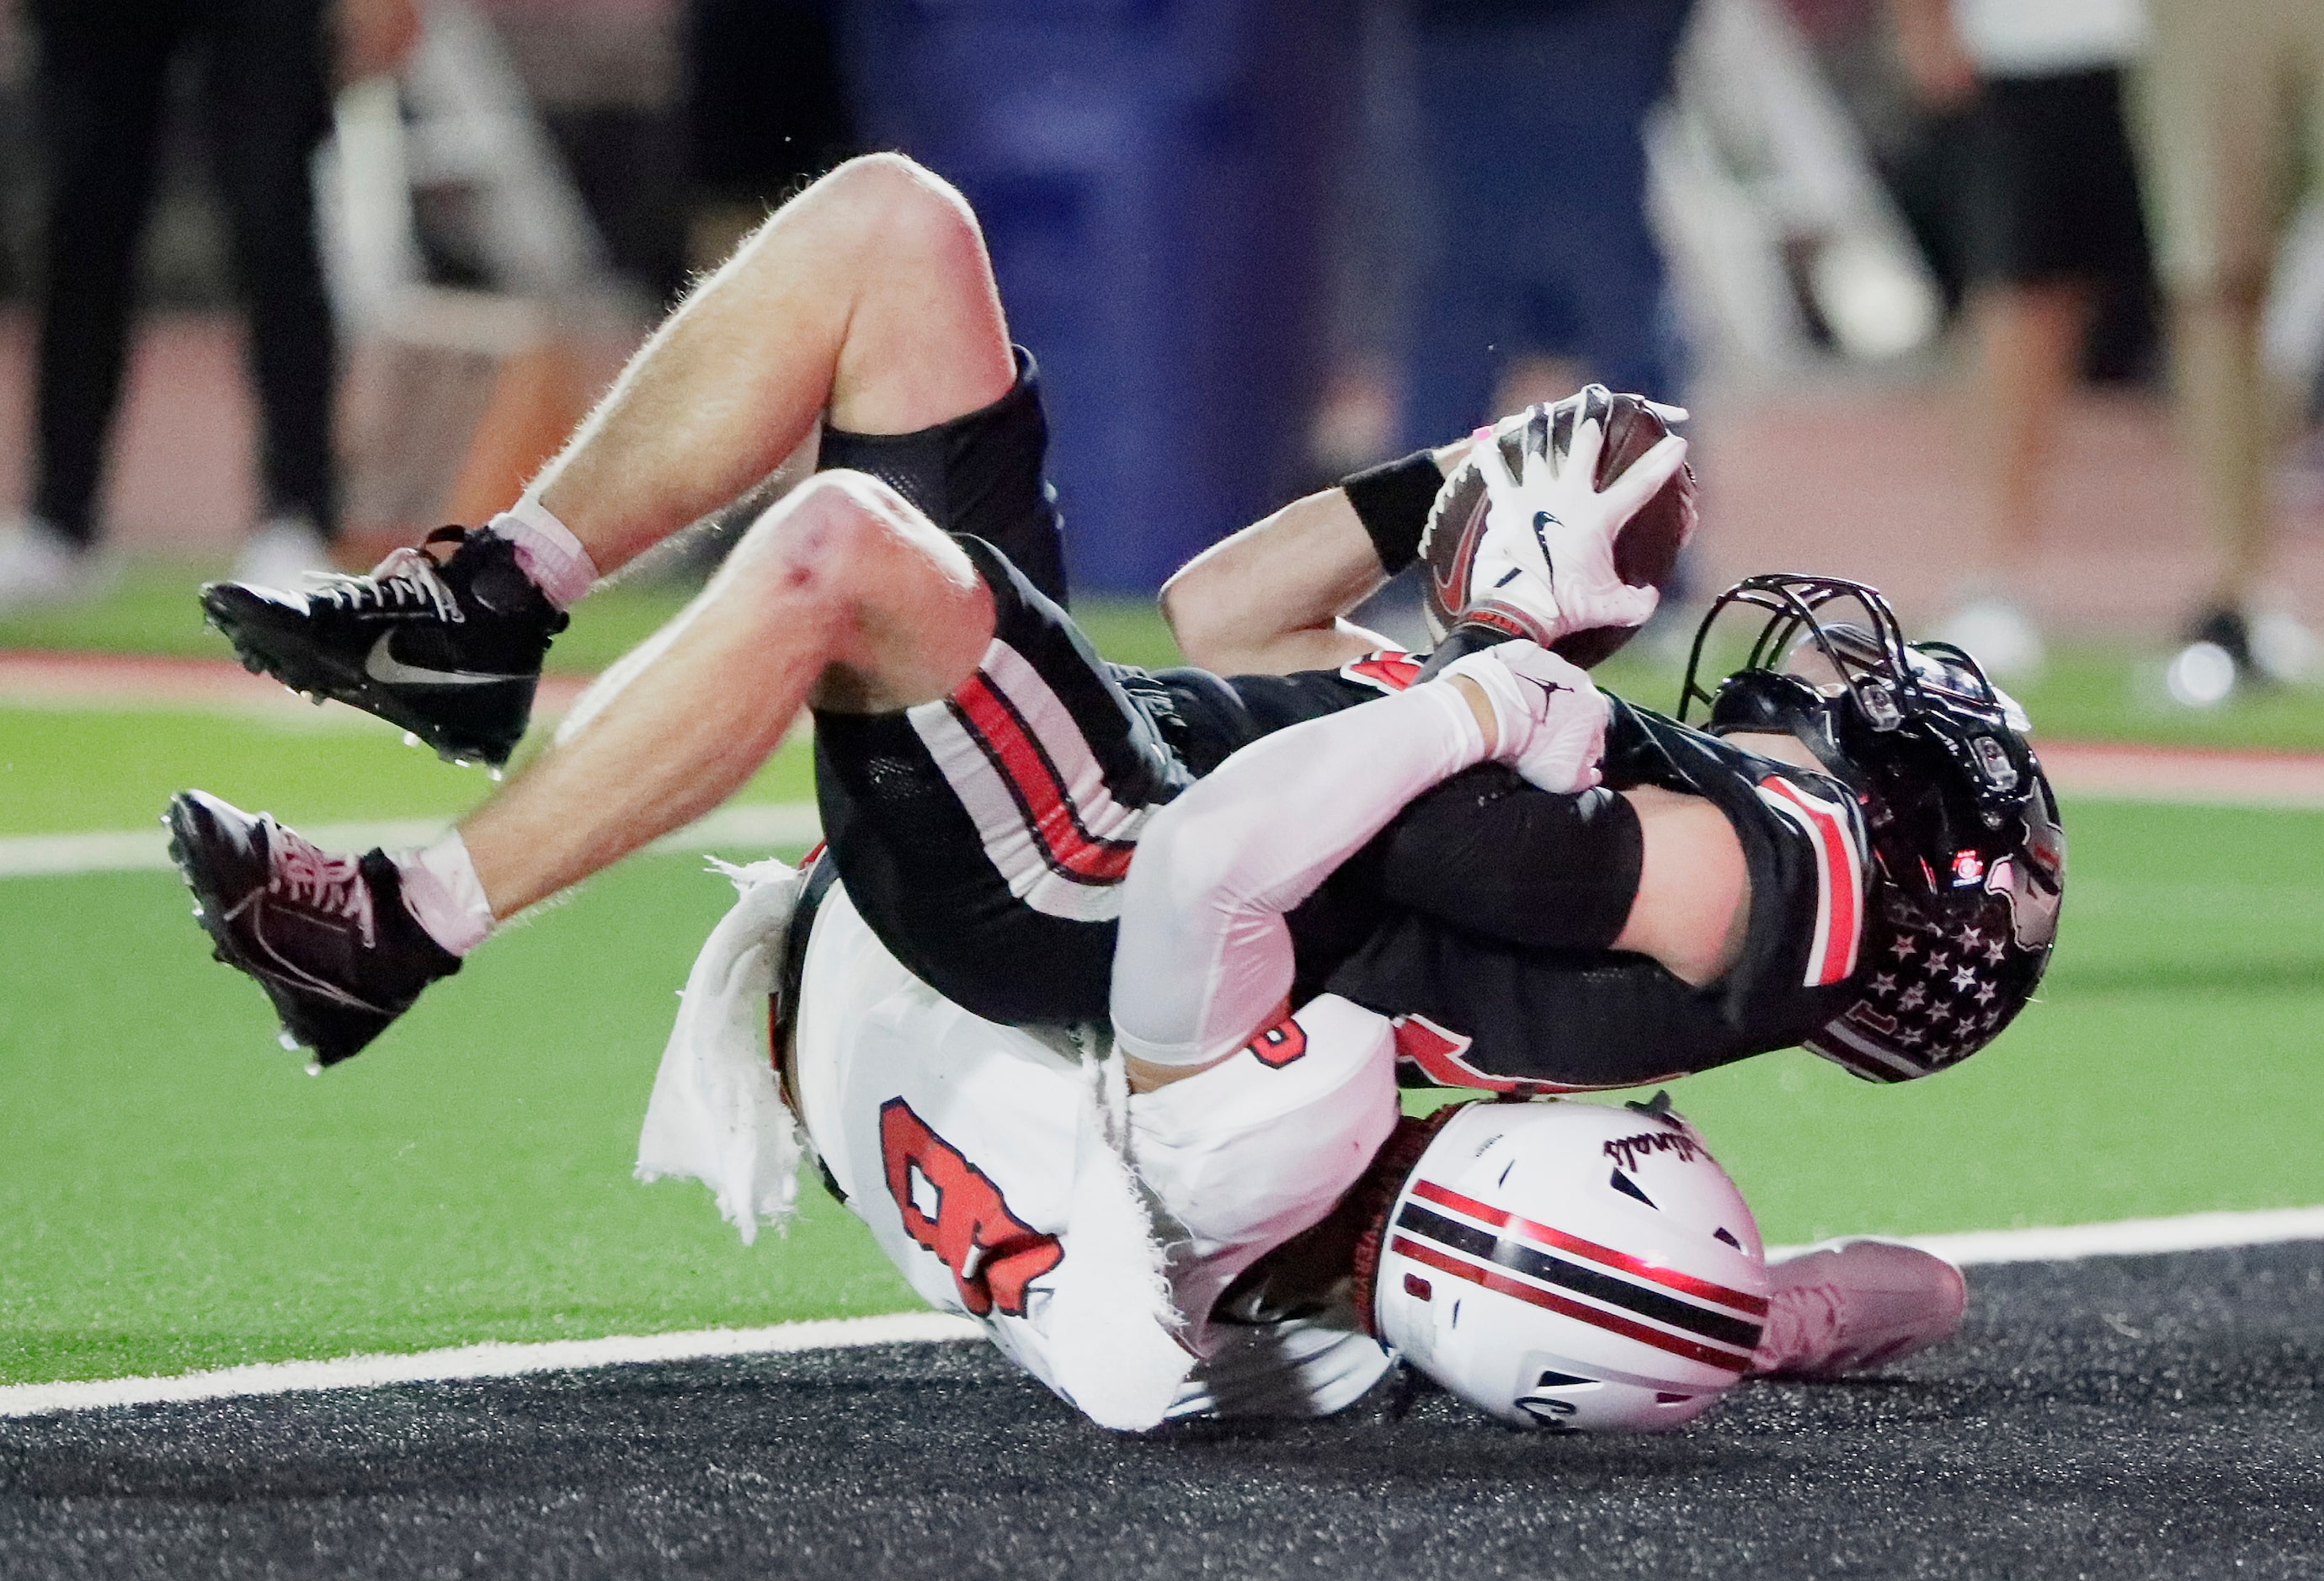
column 1375, row 1196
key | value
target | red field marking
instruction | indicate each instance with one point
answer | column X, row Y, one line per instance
column 2114, row 769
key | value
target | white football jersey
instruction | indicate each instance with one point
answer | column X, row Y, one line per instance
column 956, row 1140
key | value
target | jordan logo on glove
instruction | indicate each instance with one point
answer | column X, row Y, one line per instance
column 1549, row 721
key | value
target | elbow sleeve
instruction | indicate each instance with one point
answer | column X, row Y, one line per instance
column 1489, row 853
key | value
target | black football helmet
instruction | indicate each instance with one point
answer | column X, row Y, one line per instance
column 1965, row 833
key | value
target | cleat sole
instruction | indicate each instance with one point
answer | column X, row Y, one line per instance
column 321, row 678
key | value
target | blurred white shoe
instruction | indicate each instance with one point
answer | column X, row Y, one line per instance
column 1851, row 1304
column 40, row 565
column 280, row 554
column 2283, row 649
column 1998, row 634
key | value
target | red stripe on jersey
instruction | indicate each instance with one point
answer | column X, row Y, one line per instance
column 1548, row 1239
column 1391, row 669
column 1049, row 811
column 1839, row 891
column 1438, row 1052
column 1494, row 1280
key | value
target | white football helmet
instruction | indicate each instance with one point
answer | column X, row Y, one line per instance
column 1571, row 1266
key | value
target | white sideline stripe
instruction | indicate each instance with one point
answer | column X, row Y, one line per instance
column 2129, row 1237
column 2121, row 1237
column 138, row 850
column 2191, row 1232
column 484, row 1361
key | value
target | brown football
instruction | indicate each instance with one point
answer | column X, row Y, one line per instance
column 1644, row 554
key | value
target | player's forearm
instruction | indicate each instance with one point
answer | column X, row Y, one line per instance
column 1268, row 600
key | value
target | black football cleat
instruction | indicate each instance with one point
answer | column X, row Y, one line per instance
column 327, row 936
column 449, row 649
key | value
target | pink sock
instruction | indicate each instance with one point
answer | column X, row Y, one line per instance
column 443, row 894
column 547, row 551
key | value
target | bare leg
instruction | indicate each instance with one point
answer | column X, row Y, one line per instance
column 2230, row 426
column 2028, row 337
column 842, row 595
column 868, row 296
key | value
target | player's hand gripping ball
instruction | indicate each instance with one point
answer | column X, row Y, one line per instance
column 1519, row 537
column 1548, row 719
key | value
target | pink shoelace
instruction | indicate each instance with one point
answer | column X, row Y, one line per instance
column 306, row 874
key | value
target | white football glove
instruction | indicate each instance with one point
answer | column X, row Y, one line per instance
column 1550, row 719
column 1548, row 543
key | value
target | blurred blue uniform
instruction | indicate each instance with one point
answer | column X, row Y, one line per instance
column 1532, row 117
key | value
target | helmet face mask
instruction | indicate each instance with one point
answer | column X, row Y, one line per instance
column 1964, row 827
column 1570, row 1265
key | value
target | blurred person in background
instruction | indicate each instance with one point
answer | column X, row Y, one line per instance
column 104, row 69
column 2224, row 95
column 766, row 113
column 1543, row 273
column 2049, row 219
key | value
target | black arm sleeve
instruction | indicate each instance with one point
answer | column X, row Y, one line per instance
column 1392, row 501
column 1487, row 852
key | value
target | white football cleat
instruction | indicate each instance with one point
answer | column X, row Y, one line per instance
column 280, row 553
column 1851, row 1305
column 40, row 565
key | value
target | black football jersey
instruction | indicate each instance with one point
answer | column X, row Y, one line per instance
column 1483, row 1008
column 1405, row 930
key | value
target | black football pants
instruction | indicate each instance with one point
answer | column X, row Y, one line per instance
column 104, row 77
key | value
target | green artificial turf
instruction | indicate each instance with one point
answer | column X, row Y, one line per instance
column 176, row 1194
column 2168, row 1066
column 64, row 770
column 150, row 608
column 2091, row 690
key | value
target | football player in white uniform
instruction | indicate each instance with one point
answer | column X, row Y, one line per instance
column 1022, row 1177
column 1553, row 1264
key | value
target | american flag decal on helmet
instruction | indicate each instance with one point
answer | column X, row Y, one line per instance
column 1488, row 1246
column 1830, row 827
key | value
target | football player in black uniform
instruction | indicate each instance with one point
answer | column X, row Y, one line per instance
column 1902, row 855
column 982, row 775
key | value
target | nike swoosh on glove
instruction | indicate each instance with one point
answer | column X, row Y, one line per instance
column 1555, row 529
column 1549, row 719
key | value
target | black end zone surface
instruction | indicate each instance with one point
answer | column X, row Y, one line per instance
column 2154, row 1416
